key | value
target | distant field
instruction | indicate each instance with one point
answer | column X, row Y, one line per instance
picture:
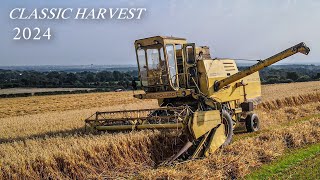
column 10, row 107
column 34, row 105
column 34, row 90
column 274, row 91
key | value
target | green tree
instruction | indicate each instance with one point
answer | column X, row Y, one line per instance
column 304, row 78
column 292, row 75
column 90, row 77
column 272, row 81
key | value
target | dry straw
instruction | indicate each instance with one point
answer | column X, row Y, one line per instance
column 48, row 142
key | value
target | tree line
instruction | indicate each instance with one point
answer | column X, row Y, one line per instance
column 290, row 73
column 119, row 79
column 103, row 79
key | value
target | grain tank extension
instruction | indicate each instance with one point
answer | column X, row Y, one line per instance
column 201, row 97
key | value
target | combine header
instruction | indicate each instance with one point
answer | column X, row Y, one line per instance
column 201, row 97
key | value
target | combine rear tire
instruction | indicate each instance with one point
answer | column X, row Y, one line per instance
column 228, row 123
column 252, row 123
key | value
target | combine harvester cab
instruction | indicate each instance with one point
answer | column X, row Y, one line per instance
column 203, row 98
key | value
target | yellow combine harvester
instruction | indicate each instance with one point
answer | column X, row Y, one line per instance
column 204, row 98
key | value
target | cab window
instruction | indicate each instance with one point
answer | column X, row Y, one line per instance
column 190, row 54
column 153, row 58
column 172, row 65
column 142, row 66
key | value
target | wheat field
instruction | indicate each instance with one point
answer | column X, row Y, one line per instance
column 43, row 137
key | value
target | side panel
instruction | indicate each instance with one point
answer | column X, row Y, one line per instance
column 204, row 121
column 252, row 90
column 212, row 70
column 219, row 69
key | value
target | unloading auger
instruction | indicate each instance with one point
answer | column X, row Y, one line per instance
column 202, row 97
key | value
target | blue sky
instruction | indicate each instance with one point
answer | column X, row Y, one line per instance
column 237, row 29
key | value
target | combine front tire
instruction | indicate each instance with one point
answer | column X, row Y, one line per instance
column 228, row 124
column 252, row 123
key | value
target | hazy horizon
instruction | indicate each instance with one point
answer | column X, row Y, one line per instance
column 135, row 65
